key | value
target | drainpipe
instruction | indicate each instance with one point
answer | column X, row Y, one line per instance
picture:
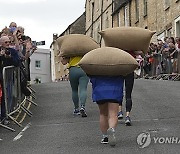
column 92, row 24
column 102, row 14
column 112, row 12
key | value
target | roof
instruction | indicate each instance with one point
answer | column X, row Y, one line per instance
column 118, row 4
column 84, row 14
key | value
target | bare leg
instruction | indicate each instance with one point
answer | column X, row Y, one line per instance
column 127, row 114
column 113, row 110
column 103, row 109
column 113, row 120
column 120, row 108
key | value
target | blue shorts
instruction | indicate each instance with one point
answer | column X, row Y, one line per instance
column 107, row 88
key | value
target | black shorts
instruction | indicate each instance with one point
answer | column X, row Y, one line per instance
column 107, row 101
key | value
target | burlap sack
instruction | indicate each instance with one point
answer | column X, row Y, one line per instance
column 127, row 38
column 108, row 61
column 75, row 45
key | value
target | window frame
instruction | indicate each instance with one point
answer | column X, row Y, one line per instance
column 137, row 10
column 145, row 8
column 126, row 21
column 38, row 66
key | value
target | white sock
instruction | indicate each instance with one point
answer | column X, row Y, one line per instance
column 105, row 135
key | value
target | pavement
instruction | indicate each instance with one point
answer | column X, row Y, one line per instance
column 54, row 130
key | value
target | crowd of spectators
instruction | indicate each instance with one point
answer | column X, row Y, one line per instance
column 162, row 57
column 15, row 50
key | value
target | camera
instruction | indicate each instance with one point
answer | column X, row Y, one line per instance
column 34, row 44
column 7, row 52
column 23, row 37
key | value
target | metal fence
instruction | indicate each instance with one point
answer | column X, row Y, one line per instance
column 161, row 67
column 15, row 102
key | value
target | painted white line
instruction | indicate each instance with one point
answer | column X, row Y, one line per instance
column 0, row 139
column 22, row 132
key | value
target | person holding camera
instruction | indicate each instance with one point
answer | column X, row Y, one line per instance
column 8, row 57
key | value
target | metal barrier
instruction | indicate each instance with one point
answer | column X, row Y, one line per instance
column 15, row 101
column 164, row 68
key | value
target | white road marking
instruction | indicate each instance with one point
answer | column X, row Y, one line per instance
column 22, row 132
column 0, row 139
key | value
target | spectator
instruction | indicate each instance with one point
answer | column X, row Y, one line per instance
column 166, row 41
column 12, row 24
column 8, row 56
column 14, row 45
column 177, row 42
column 171, row 40
column 174, row 57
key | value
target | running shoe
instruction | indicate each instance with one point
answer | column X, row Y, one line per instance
column 76, row 112
column 128, row 121
column 111, row 136
column 120, row 115
column 104, row 140
column 83, row 112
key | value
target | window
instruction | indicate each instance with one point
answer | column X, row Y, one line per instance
column 89, row 12
column 169, row 32
column 145, row 8
column 126, row 21
column 92, row 18
column 92, row 12
column 161, row 36
column 107, row 20
column 98, row 5
column 37, row 64
column 177, row 27
column 137, row 10
column 119, row 19
column 97, row 34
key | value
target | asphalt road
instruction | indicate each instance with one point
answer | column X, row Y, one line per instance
column 54, row 130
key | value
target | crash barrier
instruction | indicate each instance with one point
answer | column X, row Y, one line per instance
column 16, row 103
column 161, row 67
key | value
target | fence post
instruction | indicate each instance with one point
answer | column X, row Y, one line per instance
column 178, row 62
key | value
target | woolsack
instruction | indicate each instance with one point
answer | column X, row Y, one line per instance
column 75, row 45
column 108, row 61
column 127, row 38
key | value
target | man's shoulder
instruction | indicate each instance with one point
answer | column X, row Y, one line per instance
column 13, row 51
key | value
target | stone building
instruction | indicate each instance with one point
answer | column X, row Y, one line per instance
column 98, row 17
column 59, row 71
column 162, row 16
column 40, row 66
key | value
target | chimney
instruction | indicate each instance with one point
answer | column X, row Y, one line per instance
column 55, row 36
